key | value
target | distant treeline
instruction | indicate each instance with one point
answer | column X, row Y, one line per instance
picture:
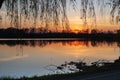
column 42, row 33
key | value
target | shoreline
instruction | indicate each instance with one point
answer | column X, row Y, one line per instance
column 69, row 76
column 108, row 71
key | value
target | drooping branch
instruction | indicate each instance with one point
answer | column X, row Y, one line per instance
column 54, row 12
column 115, row 11
column 1, row 2
column 51, row 12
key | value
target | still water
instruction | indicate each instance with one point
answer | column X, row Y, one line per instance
column 32, row 57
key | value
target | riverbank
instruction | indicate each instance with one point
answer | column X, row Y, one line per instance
column 96, row 71
column 100, row 75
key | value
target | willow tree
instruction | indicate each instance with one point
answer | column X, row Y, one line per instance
column 90, row 8
column 50, row 12
column 54, row 12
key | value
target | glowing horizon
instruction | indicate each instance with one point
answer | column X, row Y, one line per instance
column 75, row 21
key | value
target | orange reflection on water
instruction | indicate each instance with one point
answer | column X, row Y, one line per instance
column 61, row 50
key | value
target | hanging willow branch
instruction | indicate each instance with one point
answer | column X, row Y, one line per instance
column 115, row 12
column 51, row 12
column 54, row 12
column 1, row 1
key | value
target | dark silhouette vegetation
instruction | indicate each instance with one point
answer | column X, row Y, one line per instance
column 54, row 12
column 1, row 2
column 42, row 33
column 100, row 65
column 95, row 67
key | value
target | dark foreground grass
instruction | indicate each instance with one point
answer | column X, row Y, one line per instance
column 46, row 77
column 107, row 66
column 56, row 76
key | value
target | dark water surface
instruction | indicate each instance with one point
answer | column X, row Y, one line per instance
column 31, row 57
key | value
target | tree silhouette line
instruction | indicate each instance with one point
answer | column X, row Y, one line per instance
column 43, row 33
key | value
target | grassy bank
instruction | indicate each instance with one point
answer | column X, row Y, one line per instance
column 96, row 67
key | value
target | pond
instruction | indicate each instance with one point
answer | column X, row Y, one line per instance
column 29, row 57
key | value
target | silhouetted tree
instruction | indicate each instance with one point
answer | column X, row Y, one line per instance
column 53, row 12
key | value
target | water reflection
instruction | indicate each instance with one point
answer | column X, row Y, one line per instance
column 19, row 54
column 13, row 58
column 30, row 57
column 43, row 43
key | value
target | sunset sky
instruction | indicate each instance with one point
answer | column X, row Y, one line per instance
column 74, row 16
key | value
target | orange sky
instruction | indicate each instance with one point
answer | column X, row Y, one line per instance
column 76, row 24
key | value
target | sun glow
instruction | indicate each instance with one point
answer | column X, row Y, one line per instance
column 75, row 23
